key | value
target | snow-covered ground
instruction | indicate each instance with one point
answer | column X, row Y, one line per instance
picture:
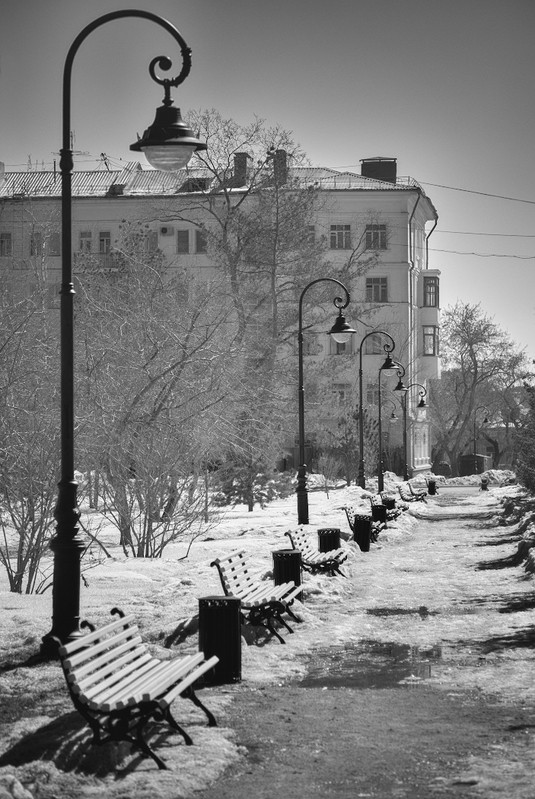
column 424, row 562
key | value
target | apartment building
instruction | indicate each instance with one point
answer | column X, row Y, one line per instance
column 375, row 221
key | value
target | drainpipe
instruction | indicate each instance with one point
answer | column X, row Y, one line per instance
column 427, row 242
column 412, row 265
column 412, row 334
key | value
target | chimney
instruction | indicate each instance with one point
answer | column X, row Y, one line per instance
column 280, row 167
column 379, row 169
column 241, row 168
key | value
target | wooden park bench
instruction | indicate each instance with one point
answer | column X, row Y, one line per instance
column 312, row 559
column 119, row 687
column 262, row 602
column 408, row 494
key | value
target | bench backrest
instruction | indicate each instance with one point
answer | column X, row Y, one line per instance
column 301, row 541
column 235, row 573
column 92, row 658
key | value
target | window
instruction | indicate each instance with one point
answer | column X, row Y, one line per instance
column 54, row 244
column 431, row 292
column 182, row 241
column 200, row 241
column 341, row 391
column 340, row 237
column 374, row 344
column 85, row 241
column 36, row 243
column 151, row 241
column 6, row 245
column 372, row 394
column 376, row 237
column 376, row 289
column 104, row 242
column 430, row 340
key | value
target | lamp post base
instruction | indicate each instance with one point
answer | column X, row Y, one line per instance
column 65, row 594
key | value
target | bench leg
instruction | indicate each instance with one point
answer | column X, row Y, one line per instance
column 190, row 694
column 169, row 718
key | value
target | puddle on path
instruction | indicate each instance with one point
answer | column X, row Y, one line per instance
column 371, row 664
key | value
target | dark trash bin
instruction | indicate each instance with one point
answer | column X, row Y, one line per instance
column 389, row 503
column 431, row 487
column 220, row 634
column 328, row 539
column 362, row 532
column 287, row 567
column 379, row 513
column 484, row 484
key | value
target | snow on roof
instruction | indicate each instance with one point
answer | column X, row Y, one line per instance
column 136, row 181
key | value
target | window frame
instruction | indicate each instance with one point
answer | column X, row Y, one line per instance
column 430, row 335
column 379, row 286
column 376, row 237
column 6, row 245
column 431, row 291
column 182, row 234
column 340, row 237
column 85, row 241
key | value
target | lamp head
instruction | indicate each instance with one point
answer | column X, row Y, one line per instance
column 168, row 143
column 421, row 404
column 341, row 331
column 400, row 386
column 389, row 365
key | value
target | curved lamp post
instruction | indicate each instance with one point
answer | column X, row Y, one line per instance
column 485, row 421
column 388, row 365
column 422, row 394
column 168, row 144
column 341, row 332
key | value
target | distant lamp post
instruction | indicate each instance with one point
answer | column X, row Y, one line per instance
column 421, row 404
column 475, row 436
column 341, row 331
column 388, row 365
column 168, row 144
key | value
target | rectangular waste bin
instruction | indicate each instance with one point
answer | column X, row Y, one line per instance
column 220, row 634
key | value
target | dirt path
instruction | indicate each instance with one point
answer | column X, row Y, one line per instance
column 330, row 735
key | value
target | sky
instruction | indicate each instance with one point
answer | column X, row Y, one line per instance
column 444, row 86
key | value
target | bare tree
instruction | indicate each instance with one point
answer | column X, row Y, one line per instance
column 483, row 369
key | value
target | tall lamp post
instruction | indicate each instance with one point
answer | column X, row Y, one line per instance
column 168, row 144
column 341, row 332
column 485, row 420
column 422, row 394
column 388, row 365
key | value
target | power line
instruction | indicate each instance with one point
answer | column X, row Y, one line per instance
column 481, row 193
column 476, row 233
column 487, row 254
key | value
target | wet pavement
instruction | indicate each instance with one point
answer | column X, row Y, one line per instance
column 423, row 708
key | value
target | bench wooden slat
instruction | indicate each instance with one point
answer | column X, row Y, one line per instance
column 89, row 638
column 101, row 646
column 171, row 695
column 132, row 660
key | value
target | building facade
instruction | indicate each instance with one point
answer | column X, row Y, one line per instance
column 375, row 227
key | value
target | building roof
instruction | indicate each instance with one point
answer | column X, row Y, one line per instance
column 134, row 181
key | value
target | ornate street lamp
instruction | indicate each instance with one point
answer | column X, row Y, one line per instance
column 485, row 421
column 168, row 144
column 422, row 394
column 388, row 365
column 341, row 331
